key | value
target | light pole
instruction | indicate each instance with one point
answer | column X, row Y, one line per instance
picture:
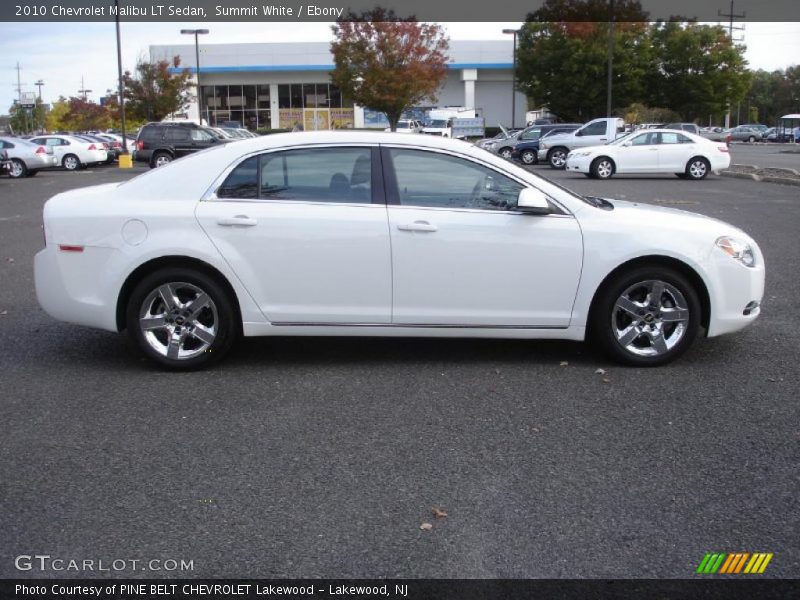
column 610, row 70
column 195, row 33
column 121, row 89
column 513, row 32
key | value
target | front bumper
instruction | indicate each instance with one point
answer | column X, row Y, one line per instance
column 736, row 292
column 579, row 164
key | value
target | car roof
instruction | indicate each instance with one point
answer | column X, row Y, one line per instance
column 180, row 180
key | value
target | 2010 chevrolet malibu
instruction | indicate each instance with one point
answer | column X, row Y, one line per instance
column 368, row 234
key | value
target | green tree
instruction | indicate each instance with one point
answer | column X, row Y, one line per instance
column 699, row 70
column 387, row 63
column 563, row 55
column 26, row 119
column 58, row 117
column 774, row 94
column 153, row 92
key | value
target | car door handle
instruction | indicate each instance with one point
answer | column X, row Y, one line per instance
column 237, row 221
column 418, row 226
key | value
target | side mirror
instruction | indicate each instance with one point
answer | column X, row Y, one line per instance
column 533, row 201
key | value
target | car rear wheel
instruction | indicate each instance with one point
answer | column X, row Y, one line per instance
column 528, row 157
column 557, row 157
column 71, row 162
column 181, row 318
column 697, row 168
column 602, row 168
column 646, row 317
column 161, row 159
column 18, row 169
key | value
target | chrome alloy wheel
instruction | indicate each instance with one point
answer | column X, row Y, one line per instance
column 604, row 169
column 697, row 170
column 17, row 169
column 558, row 158
column 162, row 160
column 650, row 318
column 71, row 163
column 178, row 320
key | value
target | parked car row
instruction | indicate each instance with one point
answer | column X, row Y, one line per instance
column 27, row 158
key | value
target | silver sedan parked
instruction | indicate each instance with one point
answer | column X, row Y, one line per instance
column 26, row 157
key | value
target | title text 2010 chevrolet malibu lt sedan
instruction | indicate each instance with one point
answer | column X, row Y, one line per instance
column 356, row 233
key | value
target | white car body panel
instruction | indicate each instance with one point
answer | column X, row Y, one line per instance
column 288, row 268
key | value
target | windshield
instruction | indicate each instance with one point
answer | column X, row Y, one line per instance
column 403, row 124
column 439, row 124
column 624, row 138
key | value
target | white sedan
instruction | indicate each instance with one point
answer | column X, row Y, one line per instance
column 407, row 126
column 369, row 234
column 652, row 151
column 73, row 153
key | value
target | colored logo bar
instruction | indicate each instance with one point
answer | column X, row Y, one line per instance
column 734, row 563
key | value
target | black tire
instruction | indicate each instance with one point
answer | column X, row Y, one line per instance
column 160, row 159
column 71, row 162
column 217, row 319
column 606, row 318
column 602, row 167
column 697, row 168
column 505, row 152
column 528, row 157
column 18, row 169
column 681, row 175
column 557, row 157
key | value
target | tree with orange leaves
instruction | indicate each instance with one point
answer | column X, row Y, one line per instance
column 387, row 63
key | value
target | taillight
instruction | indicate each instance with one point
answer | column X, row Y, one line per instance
column 105, row 146
column 92, row 147
column 116, row 145
column 140, row 144
column 70, row 248
column 41, row 150
column 723, row 148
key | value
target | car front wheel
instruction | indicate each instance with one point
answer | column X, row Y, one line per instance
column 505, row 153
column 602, row 168
column 646, row 317
column 181, row 318
column 557, row 158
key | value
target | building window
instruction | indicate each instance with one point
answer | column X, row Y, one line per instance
column 262, row 97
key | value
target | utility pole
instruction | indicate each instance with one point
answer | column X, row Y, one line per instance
column 19, row 84
column 731, row 16
column 83, row 90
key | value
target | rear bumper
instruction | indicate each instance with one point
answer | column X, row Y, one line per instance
column 73, row 286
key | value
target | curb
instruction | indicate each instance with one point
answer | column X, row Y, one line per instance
column 752, row 173
column 740, row 175
column 783, row 180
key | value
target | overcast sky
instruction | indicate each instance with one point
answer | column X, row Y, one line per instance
column 61, row 53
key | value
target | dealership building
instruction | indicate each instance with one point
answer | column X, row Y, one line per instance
column 280, row 85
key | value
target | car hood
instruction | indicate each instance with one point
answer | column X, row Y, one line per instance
column 663, row 217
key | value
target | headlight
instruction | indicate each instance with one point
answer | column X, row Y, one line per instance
column 741, row 251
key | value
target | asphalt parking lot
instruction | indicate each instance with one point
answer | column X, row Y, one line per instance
column 322, row 457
